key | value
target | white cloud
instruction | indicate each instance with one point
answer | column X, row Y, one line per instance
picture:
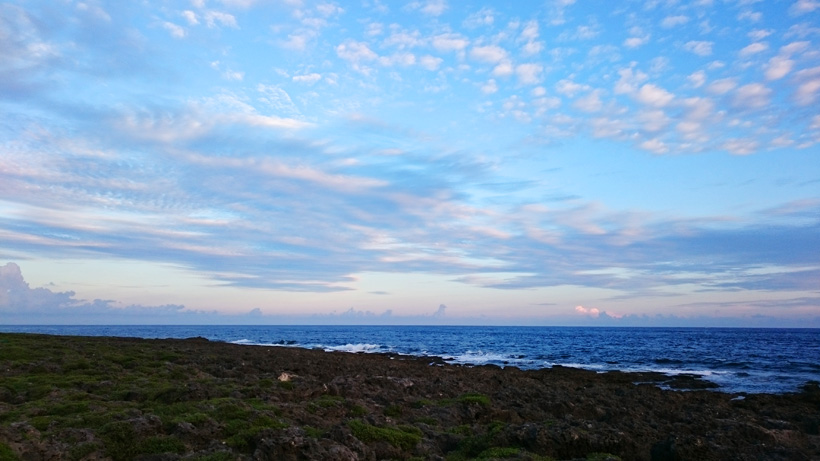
column 430, row 62
column 374, row 28
column 804, row 6
column 751, row 16
column 530, row 31
column 592, row 312
column 808, row 87
column 531, row 48
column 741, row 146
column 672, row 21
column 398, row 59
column 557, row 11
column 491, row 54
column 329, row 9
column 403, row 39
column 175, row 30
column 653, row 120
column 355, row 52
column 569, row 88
column 298, row 41
column 655, row 146
column 759, row 34
column 233, row 75
column 530, row 35
column 722, row 86
column 655, row 96
column 191, row 17
column 754, row 48
column 490, row 87
column 778, row 67
column 793, row 48
column 216, row 18
column 529, row 74
column 307, row 78
column 700, row 48
column 629, row 80
column 634, row 42
column 590, row 103
column 483, row 17
column 430, row 7
column 697, row 79
column 503, row 69
column 752, row 96
column 450, row 42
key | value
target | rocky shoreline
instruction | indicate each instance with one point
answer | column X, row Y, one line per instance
column 93, row 398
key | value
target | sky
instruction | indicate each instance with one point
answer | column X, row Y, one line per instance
column 558, row 162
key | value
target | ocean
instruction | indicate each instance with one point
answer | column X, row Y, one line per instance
column 737, row 359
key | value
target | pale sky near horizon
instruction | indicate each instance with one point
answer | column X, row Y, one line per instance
column 552, row 162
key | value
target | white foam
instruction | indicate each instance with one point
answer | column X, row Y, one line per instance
column 480, row 358
column 369, row 348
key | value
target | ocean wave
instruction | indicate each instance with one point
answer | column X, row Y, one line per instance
column 361, row 347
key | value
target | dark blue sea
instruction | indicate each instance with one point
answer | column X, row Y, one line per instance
column 738, row 360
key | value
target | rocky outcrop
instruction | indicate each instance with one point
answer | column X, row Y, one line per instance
column 196, row 399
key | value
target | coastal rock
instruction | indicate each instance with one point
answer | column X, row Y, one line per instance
column 192, row 399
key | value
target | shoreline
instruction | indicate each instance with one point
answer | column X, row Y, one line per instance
column 76, row 397
column 722, row 356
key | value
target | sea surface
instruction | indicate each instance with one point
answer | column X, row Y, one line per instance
column 737, row 359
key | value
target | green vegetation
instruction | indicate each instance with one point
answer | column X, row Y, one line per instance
column 475, row 398
column 120, row 399
column 6, row 454
column 404, row 437
column 602, row 457
column 499, row 453
column 131, row 398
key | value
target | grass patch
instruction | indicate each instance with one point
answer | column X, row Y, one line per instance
column 393, row 411
column 404, row 437
column 499, row 453
column 474, row 398
column 6, row 454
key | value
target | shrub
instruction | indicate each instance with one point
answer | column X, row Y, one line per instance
column 402, row 437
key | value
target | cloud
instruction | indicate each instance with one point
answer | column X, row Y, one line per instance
column 808, row 85
column 697, row 79
column 490, row 54
column 430, row 63
column 307, row 78
column 722, row 86
column 653, row 95
column 529, row 74
column 175, row 30
column 441, row 311
column 217, row 18
column 483, row 17
column 489, row 87
column 430, row 7
column 754, row 48
column 673, row 21
column 801, row 7
column 752, row 96
column 450, row 42
column 557, row 11
column 21, row 304
column 592, row 312
column 699, row 47
column 778, row 67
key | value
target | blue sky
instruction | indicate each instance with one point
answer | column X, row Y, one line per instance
column 555, row 162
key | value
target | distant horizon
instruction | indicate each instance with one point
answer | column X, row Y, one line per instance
column 403, row 325
column 433, row 161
